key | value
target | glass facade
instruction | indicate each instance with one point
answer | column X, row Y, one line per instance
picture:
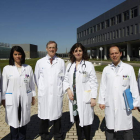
column 4, row 52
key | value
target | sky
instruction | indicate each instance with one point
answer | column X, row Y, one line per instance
column 39, row 21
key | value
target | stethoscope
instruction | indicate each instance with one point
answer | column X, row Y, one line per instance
column 83, row 67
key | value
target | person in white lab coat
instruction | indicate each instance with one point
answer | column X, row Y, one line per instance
column 116, row 78
column 18, row 93
column 49, row 75
column 0, row 85
column 80, row 83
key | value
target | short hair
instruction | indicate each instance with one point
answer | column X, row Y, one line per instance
column 18, row 49
column 50, row 42
column 77, row 45
column 113, row 45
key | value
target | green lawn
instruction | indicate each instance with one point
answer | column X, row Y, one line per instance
column 30, row 62
column 111, row 61
column 100, row 69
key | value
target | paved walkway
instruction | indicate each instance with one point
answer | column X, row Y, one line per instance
column 69, row 129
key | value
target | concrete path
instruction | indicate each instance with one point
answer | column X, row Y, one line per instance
column 69, row 130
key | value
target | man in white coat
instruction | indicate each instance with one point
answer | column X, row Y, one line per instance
column 49, row 75
column 0, row 86
column 116, row 78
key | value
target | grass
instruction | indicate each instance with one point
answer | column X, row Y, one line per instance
column 30, row 62
column 33, row 61
column 100, row 69
column 111, row 61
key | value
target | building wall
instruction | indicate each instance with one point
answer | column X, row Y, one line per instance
column 4, row 52
column 33, row 51
column 126, row 30
column 29, row 49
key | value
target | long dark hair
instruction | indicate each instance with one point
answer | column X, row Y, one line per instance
column 18, row 49
column 77, row 45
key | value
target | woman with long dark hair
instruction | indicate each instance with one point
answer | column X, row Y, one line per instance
column 18, row 93
column 80, row 83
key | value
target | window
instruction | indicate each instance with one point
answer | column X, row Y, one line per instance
column 84, row 32
column 117, row 34
column 119, row 18
column 107, row 23
column 134, row 12
column 136, row 28
column 90, row 30
column 91, row 41
column 105, row 37
column 95, row 39
column 113, row 21
column 108, row 36
column 113, row 34
column 102, row 25
column 94, row 29
column 131, row 29
column 87, row 31
column 126, row 15
column 123, row 34
column 127, row 30
column 98, row 27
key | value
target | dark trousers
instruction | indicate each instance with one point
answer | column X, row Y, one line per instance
column 86, row 129
column 111, row 135
column 44, row 125
column 18, row 133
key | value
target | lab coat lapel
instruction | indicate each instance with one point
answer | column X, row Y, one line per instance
column 121, row 68
column 79, row 70
column 112, row 68
column 54, row 61
column 22, row 69
column 15, row 71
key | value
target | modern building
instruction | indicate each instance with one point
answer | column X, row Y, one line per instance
column 29, row 49
column 4, row 52
column 120, row 25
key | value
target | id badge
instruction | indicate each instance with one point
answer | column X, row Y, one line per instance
column 26, row 79
column 85, row 77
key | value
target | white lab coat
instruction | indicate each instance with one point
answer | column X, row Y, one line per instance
column 85, row 90
column 139, row 81
column 0, row 86
column 15, row 89
column 49, row 79
column 111, row 94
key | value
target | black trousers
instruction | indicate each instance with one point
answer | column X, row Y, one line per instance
column 18, row 133
column 86, row 129
column 44, row 125
column 111, row 135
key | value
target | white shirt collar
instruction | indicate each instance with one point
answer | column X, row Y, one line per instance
column 48, row 57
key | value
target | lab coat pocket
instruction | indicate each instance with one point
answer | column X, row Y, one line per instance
column 59, row 90
column 87, row 96
column 85, row 77
column 9, row 98
column 29, row 94
column 125, row 82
